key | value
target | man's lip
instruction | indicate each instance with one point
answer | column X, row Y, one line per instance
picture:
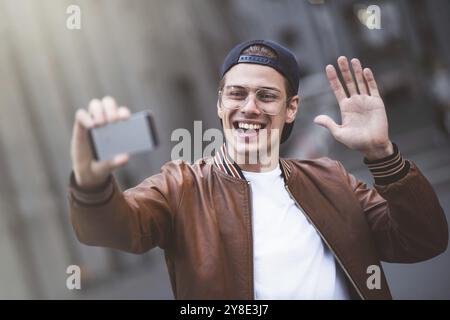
column 249, row 121
column 235, row 123
column 246, row 134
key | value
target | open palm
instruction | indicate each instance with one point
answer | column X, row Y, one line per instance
column 364, row 122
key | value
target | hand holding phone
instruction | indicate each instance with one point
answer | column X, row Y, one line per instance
column 92, row 165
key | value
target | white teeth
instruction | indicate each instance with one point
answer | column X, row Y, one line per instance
column 252, row 126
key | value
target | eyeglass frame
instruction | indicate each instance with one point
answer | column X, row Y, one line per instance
column 254, row 90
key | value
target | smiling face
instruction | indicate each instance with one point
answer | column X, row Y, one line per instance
column 248, row 130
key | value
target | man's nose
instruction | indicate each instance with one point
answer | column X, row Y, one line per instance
column 250, row 105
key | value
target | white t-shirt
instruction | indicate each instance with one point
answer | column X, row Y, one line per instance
column 289, row 258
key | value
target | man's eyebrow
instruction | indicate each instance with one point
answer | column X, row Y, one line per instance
column 244, row 87
column 235, row 86
column 271, row 88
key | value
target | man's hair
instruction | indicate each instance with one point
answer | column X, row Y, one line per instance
column 267, row 52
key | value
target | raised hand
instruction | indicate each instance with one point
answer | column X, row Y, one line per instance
column 364, row 122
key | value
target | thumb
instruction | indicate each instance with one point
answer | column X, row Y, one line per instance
column 327, row 122
column 119, row 160
column 108, row 166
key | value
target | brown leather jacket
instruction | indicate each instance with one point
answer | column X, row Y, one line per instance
column 200, row 215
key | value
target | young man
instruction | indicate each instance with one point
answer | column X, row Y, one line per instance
column 276, row 229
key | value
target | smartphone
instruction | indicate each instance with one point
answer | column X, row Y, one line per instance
column 134, row 135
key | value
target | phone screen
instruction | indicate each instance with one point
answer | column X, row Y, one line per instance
column 134, row 135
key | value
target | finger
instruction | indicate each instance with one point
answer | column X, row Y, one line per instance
column 110, row 109
column 96, row 111
column 347, row 75
column 82, row 123
column 116, row 162
column 335, row 84
column 357, row 69
column 327, row 122
column 120, row 160
column 371, row 83
column 123, row 113
column 83, row 119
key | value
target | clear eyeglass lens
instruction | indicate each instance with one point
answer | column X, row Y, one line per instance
column 268, row 101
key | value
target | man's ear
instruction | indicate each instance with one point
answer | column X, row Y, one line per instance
column 219, row 110
column 292, row 109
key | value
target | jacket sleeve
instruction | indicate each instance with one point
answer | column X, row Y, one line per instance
column 135, row 220
column 404, row 215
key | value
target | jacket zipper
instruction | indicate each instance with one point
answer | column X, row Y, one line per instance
column 251, row 241
column 326, row 242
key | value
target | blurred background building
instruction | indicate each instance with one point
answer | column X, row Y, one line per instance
column 165, row 56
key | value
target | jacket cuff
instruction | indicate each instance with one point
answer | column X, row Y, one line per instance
column 91, row 196
column 389, row 169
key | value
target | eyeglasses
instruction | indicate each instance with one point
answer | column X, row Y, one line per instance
column 267, row 100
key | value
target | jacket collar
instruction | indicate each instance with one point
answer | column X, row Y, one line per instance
column 224, row 163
